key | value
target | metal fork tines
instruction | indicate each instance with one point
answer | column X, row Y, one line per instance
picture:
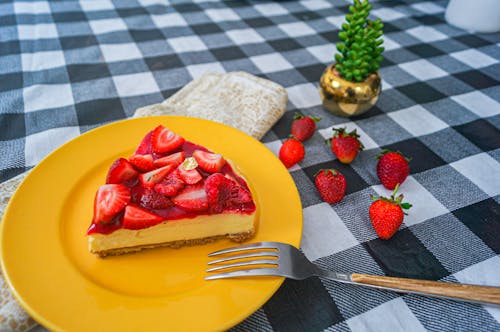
column 284, row 260
column 281, row 260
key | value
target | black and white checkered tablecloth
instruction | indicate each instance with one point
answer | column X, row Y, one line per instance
column 67, row 67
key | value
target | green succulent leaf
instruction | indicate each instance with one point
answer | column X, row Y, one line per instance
column 359, row 49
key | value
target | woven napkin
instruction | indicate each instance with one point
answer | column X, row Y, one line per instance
column 238, row 99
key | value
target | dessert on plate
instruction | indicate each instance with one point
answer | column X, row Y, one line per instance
column 170, row 192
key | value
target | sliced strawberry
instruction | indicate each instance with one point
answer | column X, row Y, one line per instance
column 110, row 200
column 145, row 146
column 136, row 193
column 120, row 171
column 142, row 162
column 171, row 185
column 192, row 198
column 175, row 159
column 189, row 177
column 223, row 193
column 137, row 218
column 209, row 162
column 149, row 179
column 153, row 200
column 187, row 171
column 164, row 140
column 242, row 196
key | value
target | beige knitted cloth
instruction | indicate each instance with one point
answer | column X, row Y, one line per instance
column 237, row 99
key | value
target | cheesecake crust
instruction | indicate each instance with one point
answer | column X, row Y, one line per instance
column 235, row 237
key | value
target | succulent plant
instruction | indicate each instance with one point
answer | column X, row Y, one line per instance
column 360, row 44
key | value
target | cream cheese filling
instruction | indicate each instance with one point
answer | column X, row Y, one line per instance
column 174, row 230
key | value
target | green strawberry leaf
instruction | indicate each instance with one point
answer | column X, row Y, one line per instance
column 406, row 206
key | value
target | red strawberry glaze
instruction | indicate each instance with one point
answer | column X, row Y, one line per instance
column 171, row 213
column 145, row 146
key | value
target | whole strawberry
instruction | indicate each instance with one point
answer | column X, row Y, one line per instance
column 392, row 168
column 345, row 145
column 331, row 185
column 386, row 214
column 291, row 152
column 303, row 127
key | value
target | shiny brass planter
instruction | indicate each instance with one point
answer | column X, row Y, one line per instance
column 346, row 98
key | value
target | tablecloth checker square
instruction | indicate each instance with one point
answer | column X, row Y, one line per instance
column 83, row 61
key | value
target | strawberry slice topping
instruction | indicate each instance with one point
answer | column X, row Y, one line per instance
column 187, row 171
column 153, row 177
column 164, row 140
column 192, row 198
column 120, row 171
column 153, row 200
column 145, row 146
column 142, row 162
column 189, row 177
column 137, row 218
column 224, row 193
column 110, row 200
column 175, row 159
column 171, row 185
column 209, row 162
column 136, row 193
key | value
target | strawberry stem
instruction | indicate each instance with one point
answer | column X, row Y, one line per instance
column 331, row 170
column 298, row 116
column 398, row 200
column 342, row 132
column 384, row 151
column 395, row 190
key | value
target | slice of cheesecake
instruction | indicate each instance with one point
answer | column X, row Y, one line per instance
column 171, row 192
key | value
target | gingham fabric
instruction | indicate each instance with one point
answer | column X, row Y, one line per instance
column 67, row 67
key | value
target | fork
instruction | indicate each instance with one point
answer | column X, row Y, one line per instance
column 284, row 260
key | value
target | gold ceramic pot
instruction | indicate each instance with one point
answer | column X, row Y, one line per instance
column 345, row 98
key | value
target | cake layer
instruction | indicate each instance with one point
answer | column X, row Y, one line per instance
column 205, row 226
column 236, row 237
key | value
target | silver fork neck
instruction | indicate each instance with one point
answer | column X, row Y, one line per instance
column 337, row 276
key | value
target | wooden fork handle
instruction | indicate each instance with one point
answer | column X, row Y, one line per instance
column 465, row 292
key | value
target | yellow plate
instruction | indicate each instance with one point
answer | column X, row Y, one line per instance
column 65, row 288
